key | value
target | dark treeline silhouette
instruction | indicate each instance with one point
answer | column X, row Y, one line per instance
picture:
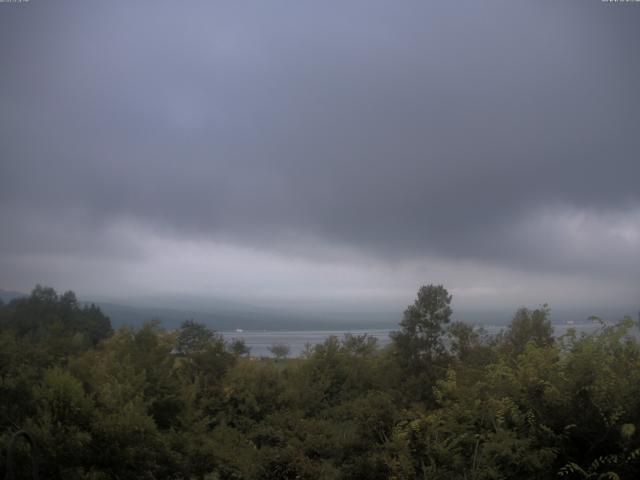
column 444, row 400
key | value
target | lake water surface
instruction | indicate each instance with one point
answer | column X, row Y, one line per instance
column 260, row 341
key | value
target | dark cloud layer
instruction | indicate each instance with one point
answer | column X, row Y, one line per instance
column 467, row 130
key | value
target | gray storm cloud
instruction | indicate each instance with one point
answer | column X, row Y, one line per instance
column 502, row 133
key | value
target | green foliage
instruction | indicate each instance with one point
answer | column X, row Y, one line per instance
column 279, row 350
column 420, row 339
column 239, row 348
column 419, row 347
column 529, row 326
column 46, row 315
column 444, row 400
column 193, row 337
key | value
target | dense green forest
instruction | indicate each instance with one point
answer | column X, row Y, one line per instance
column 443, row 400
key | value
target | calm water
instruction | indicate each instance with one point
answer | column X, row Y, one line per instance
column 260, row 341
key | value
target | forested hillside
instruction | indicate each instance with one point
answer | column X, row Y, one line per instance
column 443, row 401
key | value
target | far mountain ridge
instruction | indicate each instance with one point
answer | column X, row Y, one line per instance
column 229, row 315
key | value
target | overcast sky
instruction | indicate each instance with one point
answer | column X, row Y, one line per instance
column 321, row 152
